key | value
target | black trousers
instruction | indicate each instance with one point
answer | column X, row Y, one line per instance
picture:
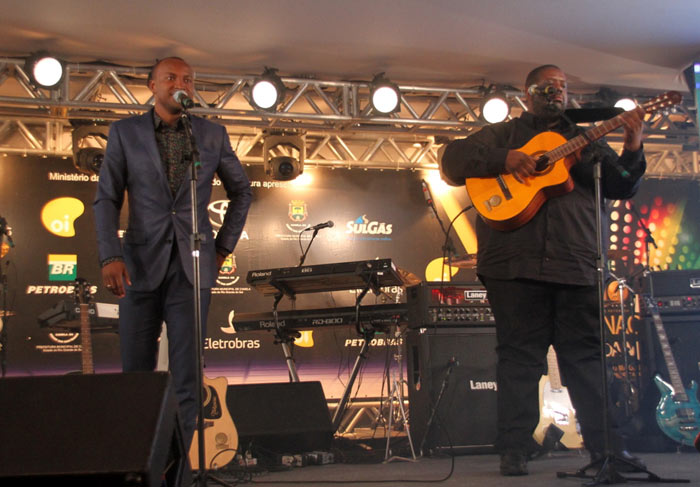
column 141, row 315
column 531, row 315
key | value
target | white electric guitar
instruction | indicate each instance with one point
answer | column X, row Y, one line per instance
column 556, row 407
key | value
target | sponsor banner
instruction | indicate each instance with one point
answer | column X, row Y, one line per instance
column 59, row 215
column 73, row 177
column 63, row 267
column 363, row 228
column 228, row 281
column 62, row 289
column 375, row 342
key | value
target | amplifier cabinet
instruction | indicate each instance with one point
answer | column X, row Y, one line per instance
column 464, row 359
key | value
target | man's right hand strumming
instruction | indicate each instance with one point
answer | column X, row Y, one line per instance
column 520, row 165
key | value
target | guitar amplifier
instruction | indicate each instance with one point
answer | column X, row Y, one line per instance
column 676, row 292
column 452, row 373
column 448, row 304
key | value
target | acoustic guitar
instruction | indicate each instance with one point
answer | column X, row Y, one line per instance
column 556, row 407
column 82, row 298
column 220, row 434
column 506, row 204
column 678, row 411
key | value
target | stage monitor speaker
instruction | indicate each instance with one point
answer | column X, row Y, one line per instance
column 464, row 360
column 104, row 429
column 286, row 417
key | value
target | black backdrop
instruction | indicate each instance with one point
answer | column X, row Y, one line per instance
column 378, row 214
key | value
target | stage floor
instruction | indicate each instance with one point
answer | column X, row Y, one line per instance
column 471, row 470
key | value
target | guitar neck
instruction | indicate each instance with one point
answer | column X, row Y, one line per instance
column 86, row 340
column 581, row 141
column 674, row 375
column 553, row 369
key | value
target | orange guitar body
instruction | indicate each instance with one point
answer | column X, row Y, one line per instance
column 506, row 203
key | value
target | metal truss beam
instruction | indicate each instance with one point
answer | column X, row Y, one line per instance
column 341, row 128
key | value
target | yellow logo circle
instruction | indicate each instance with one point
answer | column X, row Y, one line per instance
column 59, row 215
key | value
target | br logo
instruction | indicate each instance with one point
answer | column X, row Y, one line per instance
column 63, row 267
column 59, row 215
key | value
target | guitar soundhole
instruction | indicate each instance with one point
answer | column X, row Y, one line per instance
column 543, row 166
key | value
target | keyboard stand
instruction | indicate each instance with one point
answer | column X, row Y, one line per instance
column 286, row 339
column 372, row 280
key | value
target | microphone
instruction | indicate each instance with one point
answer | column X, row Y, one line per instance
column 319, row 226
column 181, row 97
column 426, row 193
column 546, row 91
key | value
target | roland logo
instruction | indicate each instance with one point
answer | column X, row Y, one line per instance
column 261, row 274
column 305, row 270
column 270, row 323
column 486, row 385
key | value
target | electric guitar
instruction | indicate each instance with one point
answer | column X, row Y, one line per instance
column 556, row 407
column 678, row 410
column 220, row 434
column 506, row 204
column 82, row 297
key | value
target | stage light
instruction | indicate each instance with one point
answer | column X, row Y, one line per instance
column 89, row 159
column 267, row 91
column 626, row 104
column 44, row 70
column 384, row 95
column 290, row 164
column 495, row 108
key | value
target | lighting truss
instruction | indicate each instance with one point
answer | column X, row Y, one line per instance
column 340, row 127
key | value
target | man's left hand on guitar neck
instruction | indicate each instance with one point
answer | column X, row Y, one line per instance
column 633, row 124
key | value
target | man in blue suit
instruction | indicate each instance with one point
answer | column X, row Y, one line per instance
column 149, row 157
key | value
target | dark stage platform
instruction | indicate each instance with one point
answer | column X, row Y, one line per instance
column 469, row 470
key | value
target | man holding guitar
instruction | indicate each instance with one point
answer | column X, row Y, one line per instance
column 539, row 263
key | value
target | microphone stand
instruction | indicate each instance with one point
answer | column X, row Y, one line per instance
column 606, row 464
column 195, row 245
column 449, row 251
column 305, row 253
column 3, row 290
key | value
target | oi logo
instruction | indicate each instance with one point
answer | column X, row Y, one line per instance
column 59, row 215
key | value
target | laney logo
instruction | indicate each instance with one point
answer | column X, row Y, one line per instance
column 476, row 385
column 472, row 295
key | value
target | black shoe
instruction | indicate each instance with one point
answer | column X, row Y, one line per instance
column 630, row 463
column 513, row 462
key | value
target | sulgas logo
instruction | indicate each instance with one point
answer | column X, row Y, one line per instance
column 59, row 215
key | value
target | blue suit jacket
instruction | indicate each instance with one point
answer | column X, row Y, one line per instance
column 132, row 163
